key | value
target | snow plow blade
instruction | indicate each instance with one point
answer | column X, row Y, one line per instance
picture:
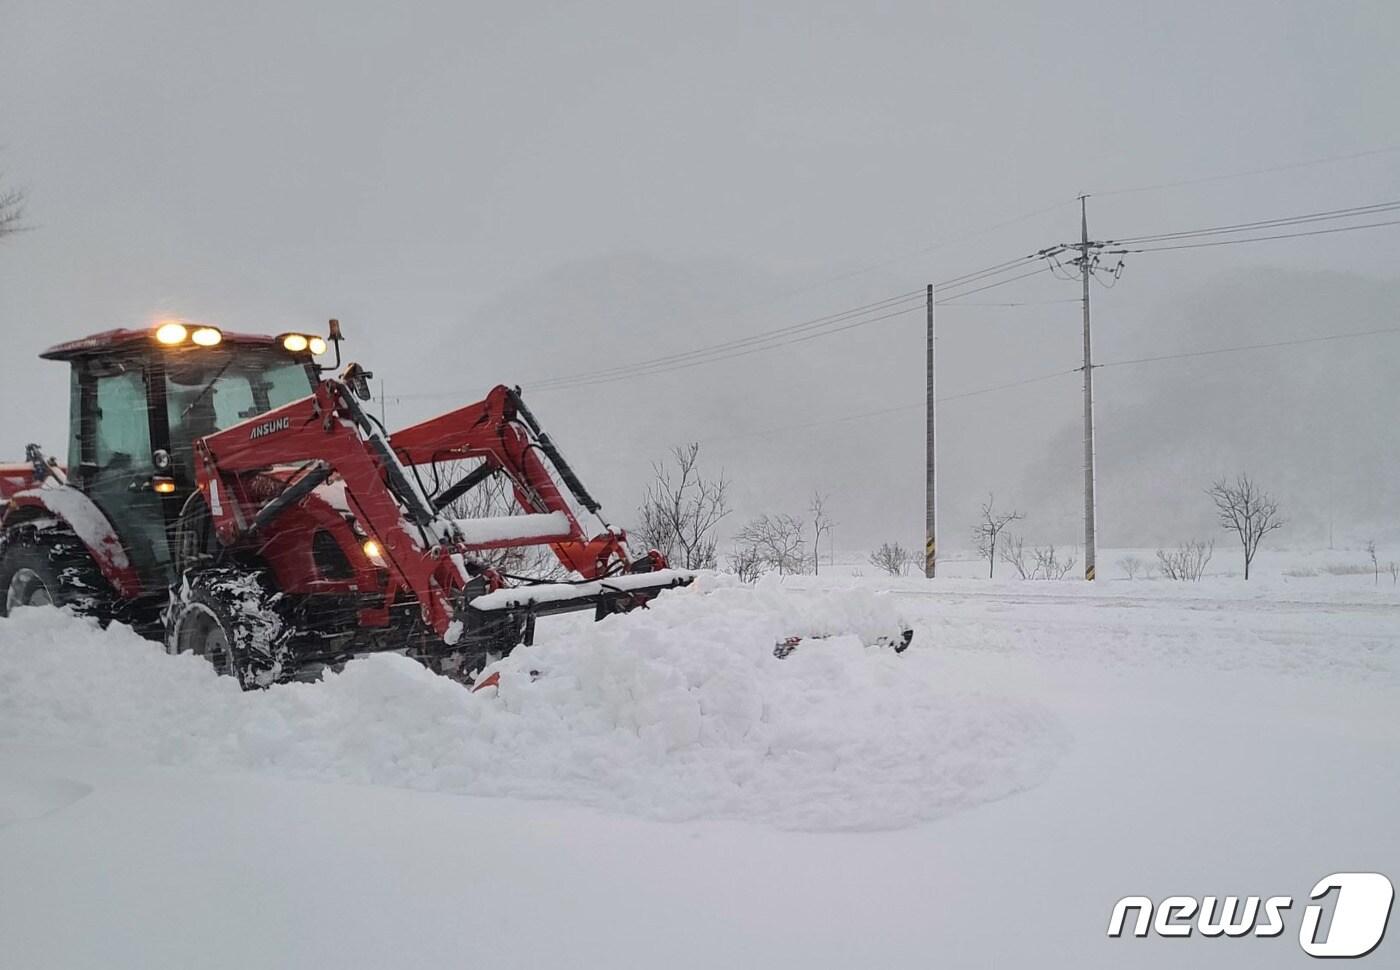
column 612, row 595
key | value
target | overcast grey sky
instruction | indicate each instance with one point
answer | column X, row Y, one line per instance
column 512, row 192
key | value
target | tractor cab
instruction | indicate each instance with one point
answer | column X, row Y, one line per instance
column 139, row 401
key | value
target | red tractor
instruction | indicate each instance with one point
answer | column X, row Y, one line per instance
column 227, row 496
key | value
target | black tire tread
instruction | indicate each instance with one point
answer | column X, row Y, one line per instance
column 63, row 563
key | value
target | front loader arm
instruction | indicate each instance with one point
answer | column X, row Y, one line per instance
column 426, row 552
column 501, row 431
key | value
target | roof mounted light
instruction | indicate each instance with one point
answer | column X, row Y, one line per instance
column 207, row 337
column 171, row 333
column 317, row 345
column 294, row 342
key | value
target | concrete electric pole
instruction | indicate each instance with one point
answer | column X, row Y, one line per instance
column 1090, row 506
column 930, row 479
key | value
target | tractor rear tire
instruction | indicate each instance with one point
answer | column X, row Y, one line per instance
column 229, row 616
column 44, row 563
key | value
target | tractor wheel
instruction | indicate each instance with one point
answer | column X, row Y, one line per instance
column 229, row 616
column 45, row 564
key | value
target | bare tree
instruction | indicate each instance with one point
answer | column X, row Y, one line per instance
column 1049, row 565
column 1042, row 562
column 1394, row 573
column 1188, row 561
column 1246, row 510
column 893, row 558
column 1013, row 553
column 822, row 525
column 11, row 212
column 986, row 532
column 682, row 509
column 1375, row 566
column 777, row 542
column 746, row 562
column 1131, row 566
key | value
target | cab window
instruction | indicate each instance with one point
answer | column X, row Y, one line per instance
column 212, row 391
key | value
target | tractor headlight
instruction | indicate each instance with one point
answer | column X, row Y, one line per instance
column 207, row 337
column 171, row 333
column 374, row 552
column 294, row 342
column 317, row 345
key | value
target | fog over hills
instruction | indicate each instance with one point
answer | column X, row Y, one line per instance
column 1315, row 422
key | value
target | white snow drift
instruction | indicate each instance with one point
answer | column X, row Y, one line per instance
column 679, row 711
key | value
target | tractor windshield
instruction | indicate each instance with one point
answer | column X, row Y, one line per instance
column 208, row 392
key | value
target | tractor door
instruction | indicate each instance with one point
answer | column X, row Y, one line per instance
column 111, row 450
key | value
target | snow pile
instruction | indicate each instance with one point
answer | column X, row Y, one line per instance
column 679, row 711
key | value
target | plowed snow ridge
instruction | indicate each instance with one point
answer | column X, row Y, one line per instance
column 680, row 711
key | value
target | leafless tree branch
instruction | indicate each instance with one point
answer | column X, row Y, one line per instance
column 776, row 541
column 11, row 212
column 986, row 532
column 1246, row 510
column 822, row 525
column 1188, row 561
column 682, row 509
column 893, row 558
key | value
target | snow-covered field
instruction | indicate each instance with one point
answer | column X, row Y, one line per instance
column 659, row 790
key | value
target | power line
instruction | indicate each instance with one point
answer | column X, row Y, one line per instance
column 969, row 278
column 888, row 410
column 1244, row 347
column 639, row 371
column 892, row 307
column 776, row 333
column 964, row 237
column 860, row 317
column 773, row 339
column 1046, row 377
column 779, row 332
column 990, row 286
column 1253, row 239
column 1023, row 303
column 1007, row 387
column 1376, row 208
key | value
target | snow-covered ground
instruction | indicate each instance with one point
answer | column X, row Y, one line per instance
column 659, row 790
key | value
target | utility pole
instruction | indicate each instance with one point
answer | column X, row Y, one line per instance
column 1090, row 508
column 383, row 419
column 930, row 482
